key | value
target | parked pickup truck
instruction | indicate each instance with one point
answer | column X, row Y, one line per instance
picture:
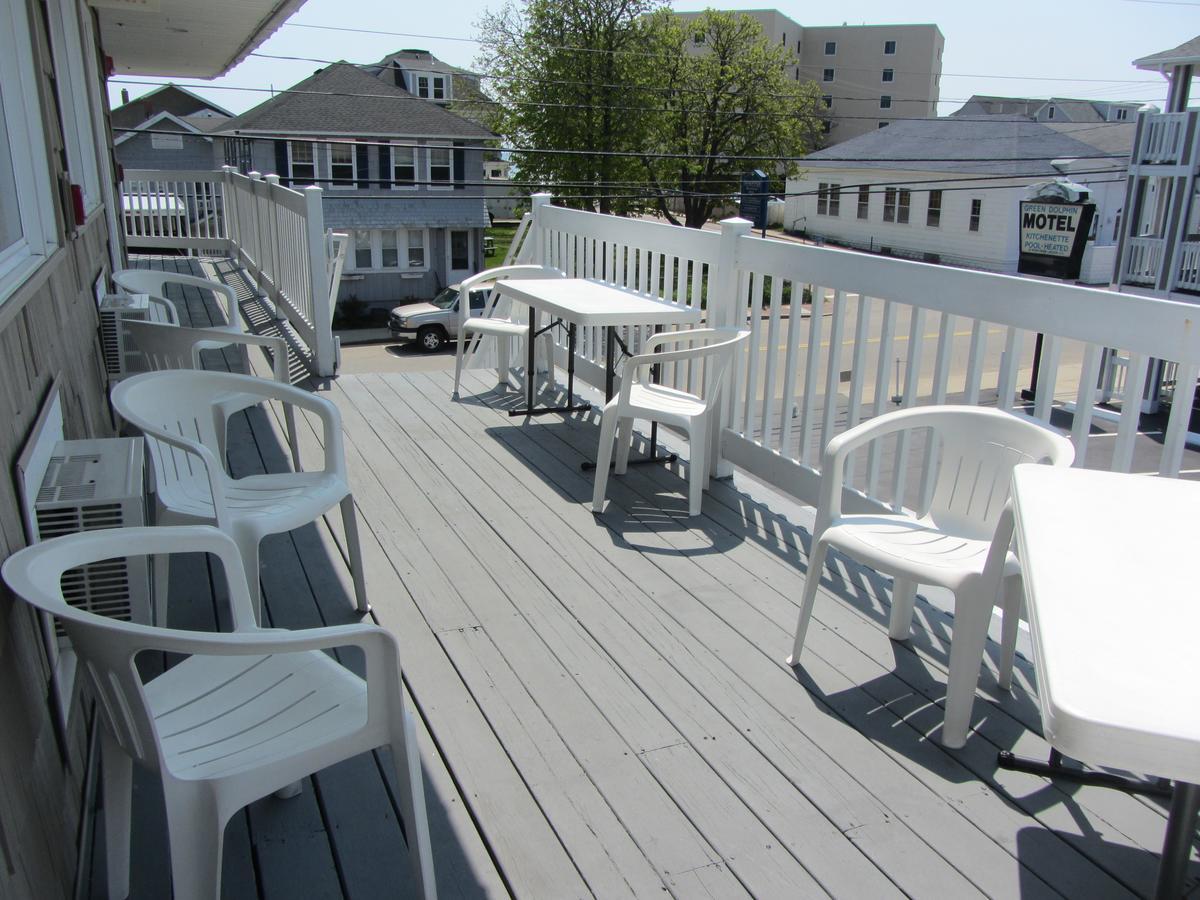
column 433, row 324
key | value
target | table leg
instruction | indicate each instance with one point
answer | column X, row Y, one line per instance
column 530, row 344
column 530, row 364
column 1177, row 845
column 570, row 363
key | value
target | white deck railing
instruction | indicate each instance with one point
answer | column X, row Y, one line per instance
column 1144, row 260
column 901, row 334
column 1189, row 266
column 1162, row 138
column 275, row 233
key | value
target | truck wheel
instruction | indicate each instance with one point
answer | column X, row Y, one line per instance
column 431, row 338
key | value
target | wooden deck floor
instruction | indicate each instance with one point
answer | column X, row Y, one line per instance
column 604, row 705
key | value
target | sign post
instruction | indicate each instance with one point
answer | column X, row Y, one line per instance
column 1054, row 227
column 753, row 206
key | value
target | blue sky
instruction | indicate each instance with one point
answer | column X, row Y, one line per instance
column 1020, row 47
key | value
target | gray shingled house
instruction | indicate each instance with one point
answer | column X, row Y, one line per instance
column 401, row 175
column 166, row 128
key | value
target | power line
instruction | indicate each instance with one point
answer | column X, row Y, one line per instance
column 634, row 154
column 434, row 37
column 816, row 113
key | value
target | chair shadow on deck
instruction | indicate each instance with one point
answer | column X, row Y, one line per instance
column 343, row 834
column 655, row 504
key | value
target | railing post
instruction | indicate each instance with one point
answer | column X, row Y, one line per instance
column 321, row 303
column 722, row 303
column 228, row 211
column 539, row 248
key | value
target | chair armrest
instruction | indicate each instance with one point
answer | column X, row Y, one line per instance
column 277, row 345
column 330, row 416
column 212, row 466
column 206, row 284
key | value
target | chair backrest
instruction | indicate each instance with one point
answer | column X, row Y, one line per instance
column 165, row 346
column 712, row 349
column 496, row 306
column 184, row 405
column 106, row 648
column 976, row 450
column 155, row 283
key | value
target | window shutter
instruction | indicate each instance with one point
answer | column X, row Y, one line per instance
column 385, row 166
column 281, row 163
column 362, row 165
column 460, row 166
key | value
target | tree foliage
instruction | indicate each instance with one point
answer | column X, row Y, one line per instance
column 645, row 112
column 562, row 72
column 730, row 108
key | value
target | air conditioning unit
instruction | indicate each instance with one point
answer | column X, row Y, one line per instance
column 93, row 484
column 121, row 358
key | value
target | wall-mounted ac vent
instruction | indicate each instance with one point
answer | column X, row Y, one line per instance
column 89, row 485
column 121, row 358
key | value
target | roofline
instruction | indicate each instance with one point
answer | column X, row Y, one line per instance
column 267, row 27
column 165, row 114
column 277, row 132
column 177, row 87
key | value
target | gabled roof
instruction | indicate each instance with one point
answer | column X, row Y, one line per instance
column 419, row 61
column 343, row 100
column 998, row 145
column 170, row 98
column 1187, row 53
column 1076, row 110
column 162, row 120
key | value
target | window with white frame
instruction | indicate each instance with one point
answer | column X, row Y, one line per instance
column 827, row 100
column 933, row 216
column 889, row 48
column 439, row 87
column 889, row 204
column 342, row 166
column 390, row 253
column 864, row 201
column 404, row 167
column 423, row 86
column 28, row 225
column 889, row 75
column 362, row 249
column 389, row 250
column 440, row 167
column 885, row 102
column 829, row 199
column 976, row 214
column 827, row 75
column 831, row 48
column 1122, row 115
column 302, row 162
column 72, row 79
column 903, row 201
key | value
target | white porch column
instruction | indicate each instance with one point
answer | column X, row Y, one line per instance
column 724, row 312
column 318, row 277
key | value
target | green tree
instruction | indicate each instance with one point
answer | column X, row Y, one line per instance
column 567, row 76
column 729, row 108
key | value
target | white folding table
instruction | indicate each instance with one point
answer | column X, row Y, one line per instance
column 1109, row 569
column 580, row 302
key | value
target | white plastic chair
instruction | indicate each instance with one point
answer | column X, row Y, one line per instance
column 947, row 544
column 244, row 715
column 496, row 320
column 155, row 283
column 640, row 398
column 183, row 416
column 177, row 347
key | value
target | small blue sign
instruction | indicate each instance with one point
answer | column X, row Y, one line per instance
column 753, row 206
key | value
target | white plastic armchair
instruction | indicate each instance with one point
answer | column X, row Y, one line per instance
column 947, row 544
column 183, row 415
column 496, row 320
column 245, row 714
column 176, row 347
column 640, row 398
column 155, row 283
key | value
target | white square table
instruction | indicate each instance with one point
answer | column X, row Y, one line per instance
column 1110, row 590
column 581, row 302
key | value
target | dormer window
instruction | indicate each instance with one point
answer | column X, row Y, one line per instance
column 432, row 87
column 1050, row 113
column 1122, row 115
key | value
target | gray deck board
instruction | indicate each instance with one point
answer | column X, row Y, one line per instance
column 602, row 703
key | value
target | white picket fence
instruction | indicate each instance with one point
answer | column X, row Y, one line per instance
column 883, row 333
column 275, row 233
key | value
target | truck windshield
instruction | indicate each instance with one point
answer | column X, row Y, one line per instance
column 446, row 299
